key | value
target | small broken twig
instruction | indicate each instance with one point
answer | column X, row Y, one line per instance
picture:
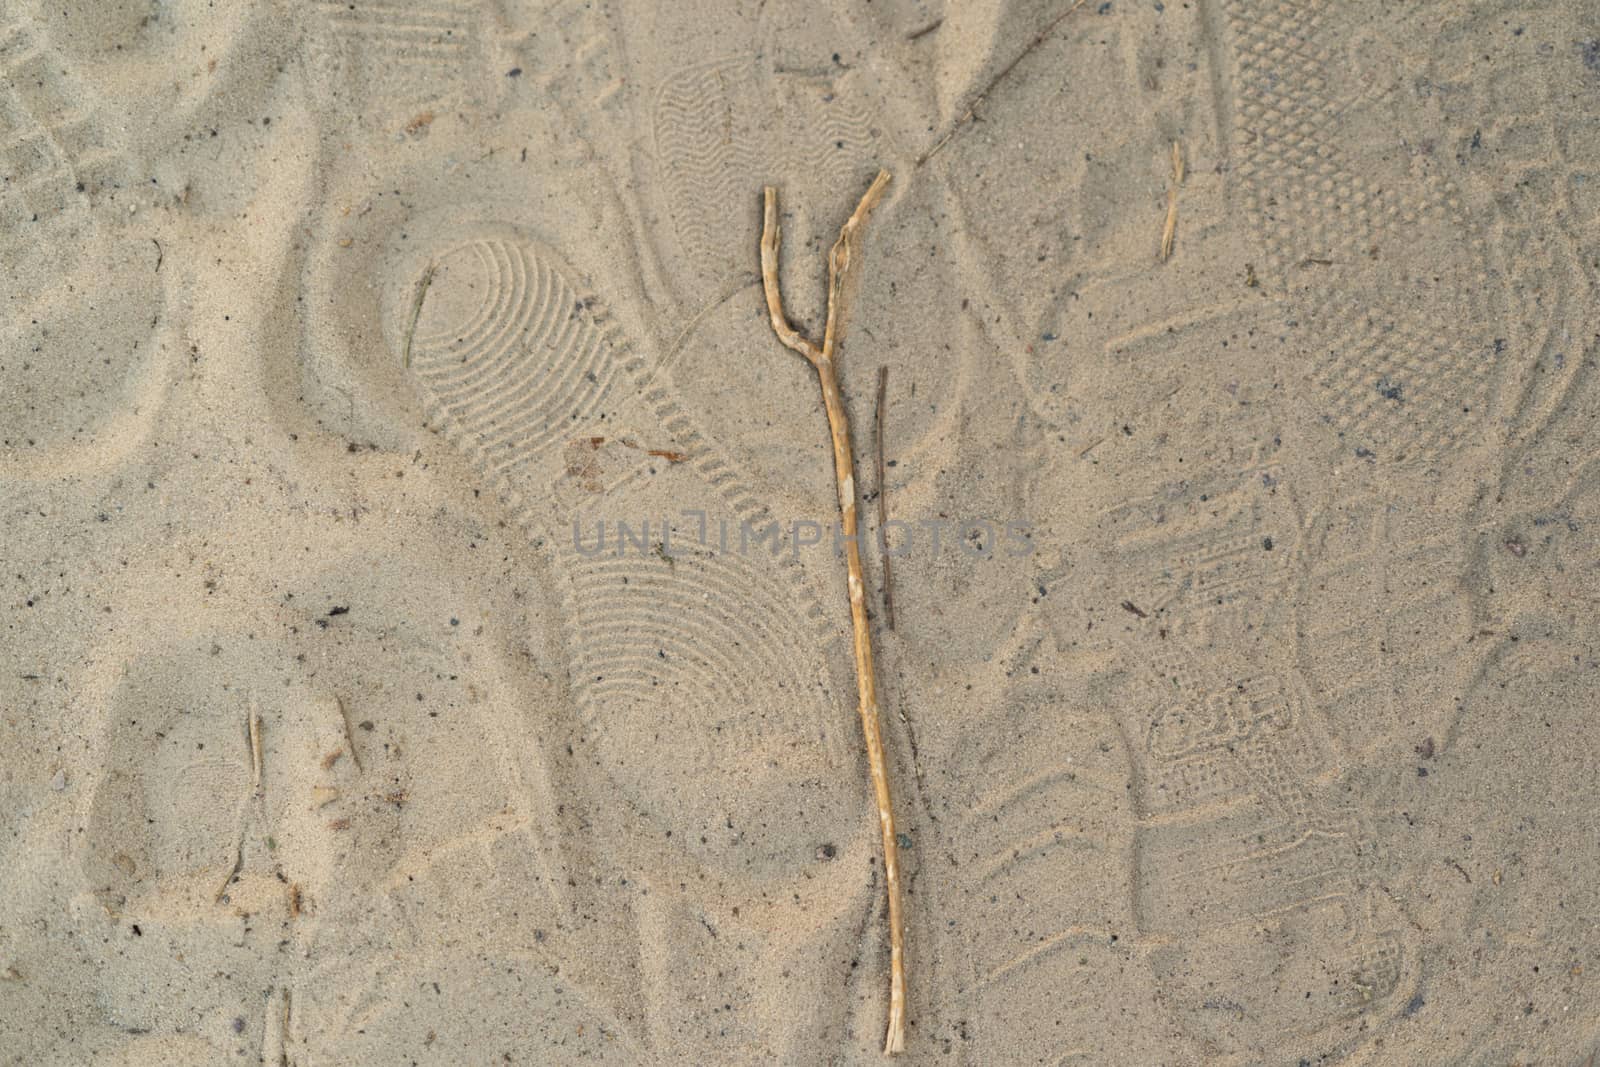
column 349, row 734
column 416, row 311
column 255, row 752
column 233, row 872
column 1170, row 230
column 822, row 359
column 883, row 500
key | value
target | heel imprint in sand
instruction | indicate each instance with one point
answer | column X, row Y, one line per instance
column 822, row 359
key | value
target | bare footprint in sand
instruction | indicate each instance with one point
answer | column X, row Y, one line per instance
column 212, row 846
column 170, row 824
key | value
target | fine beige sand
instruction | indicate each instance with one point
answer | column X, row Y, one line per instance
column 1243, row 712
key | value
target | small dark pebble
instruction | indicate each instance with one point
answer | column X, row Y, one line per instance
column 826, row 852
column 514, row 72
column 238, row 1024
column 338, row 611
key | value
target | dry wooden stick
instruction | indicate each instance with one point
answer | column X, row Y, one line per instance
column 883, row 500
column 844, row 469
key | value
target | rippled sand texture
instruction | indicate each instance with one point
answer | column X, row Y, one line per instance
column 333, row 332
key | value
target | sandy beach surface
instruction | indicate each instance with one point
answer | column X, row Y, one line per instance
column 424, row 637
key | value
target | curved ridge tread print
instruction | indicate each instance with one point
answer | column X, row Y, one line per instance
column 846, row 136
column 703, row 622
column 509, row 356
column 527, row 362
column 527, row 375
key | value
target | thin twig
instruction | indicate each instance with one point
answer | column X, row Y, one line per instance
column 416, row 311
column 1170, row 229
column 288, row 1005
column 349, row 734
column 252, row 724
column 844, row 470
column 998, row 78
column 883, row 501
column 238, row 864
column 255, row 752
